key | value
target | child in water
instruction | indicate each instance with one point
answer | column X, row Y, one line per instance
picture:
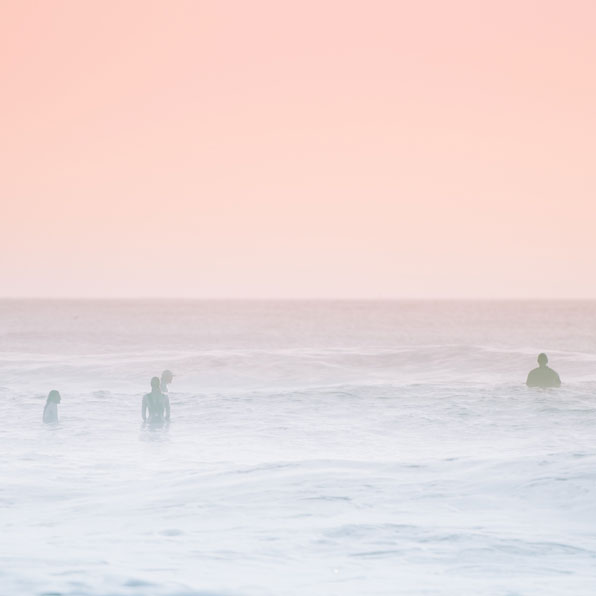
column 166, row 378
column 50, row 412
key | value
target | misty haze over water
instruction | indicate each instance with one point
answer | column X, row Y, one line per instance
column 315, row 447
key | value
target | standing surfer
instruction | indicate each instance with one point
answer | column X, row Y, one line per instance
column 154, row 404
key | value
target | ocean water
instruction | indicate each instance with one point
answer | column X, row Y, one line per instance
column 315, row 448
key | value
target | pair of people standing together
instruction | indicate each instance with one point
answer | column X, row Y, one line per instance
column 155, row 407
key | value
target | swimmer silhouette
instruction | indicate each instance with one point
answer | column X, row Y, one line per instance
column 166, row 378
column 50, row 411
column 543, row 376
column 154, row 404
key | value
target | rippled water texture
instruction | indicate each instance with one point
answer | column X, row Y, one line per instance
column 315, row 448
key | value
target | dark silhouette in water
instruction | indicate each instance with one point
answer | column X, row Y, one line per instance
column 155, row 404
column 543, row 376
column 50, row 411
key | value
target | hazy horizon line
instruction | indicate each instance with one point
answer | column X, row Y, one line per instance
column 298, row 299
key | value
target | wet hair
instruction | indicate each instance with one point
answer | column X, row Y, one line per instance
column 155, row 384
column 542, row 358
column 53, row 396
column 167, row 376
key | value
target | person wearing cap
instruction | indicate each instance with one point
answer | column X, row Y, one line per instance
column 543, row 376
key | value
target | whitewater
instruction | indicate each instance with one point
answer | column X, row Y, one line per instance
column 315, row 447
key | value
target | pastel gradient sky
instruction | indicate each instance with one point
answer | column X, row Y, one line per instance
column 298, row 149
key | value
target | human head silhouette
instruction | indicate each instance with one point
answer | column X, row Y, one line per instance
column 54, row 396
column 542, row 359
column 155, row 383
column 167, row 376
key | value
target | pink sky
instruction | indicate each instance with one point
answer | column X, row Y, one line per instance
column 298, row 149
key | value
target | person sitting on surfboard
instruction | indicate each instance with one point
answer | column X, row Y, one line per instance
column 154, row 404
column 543, row 376
column 50, row 411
